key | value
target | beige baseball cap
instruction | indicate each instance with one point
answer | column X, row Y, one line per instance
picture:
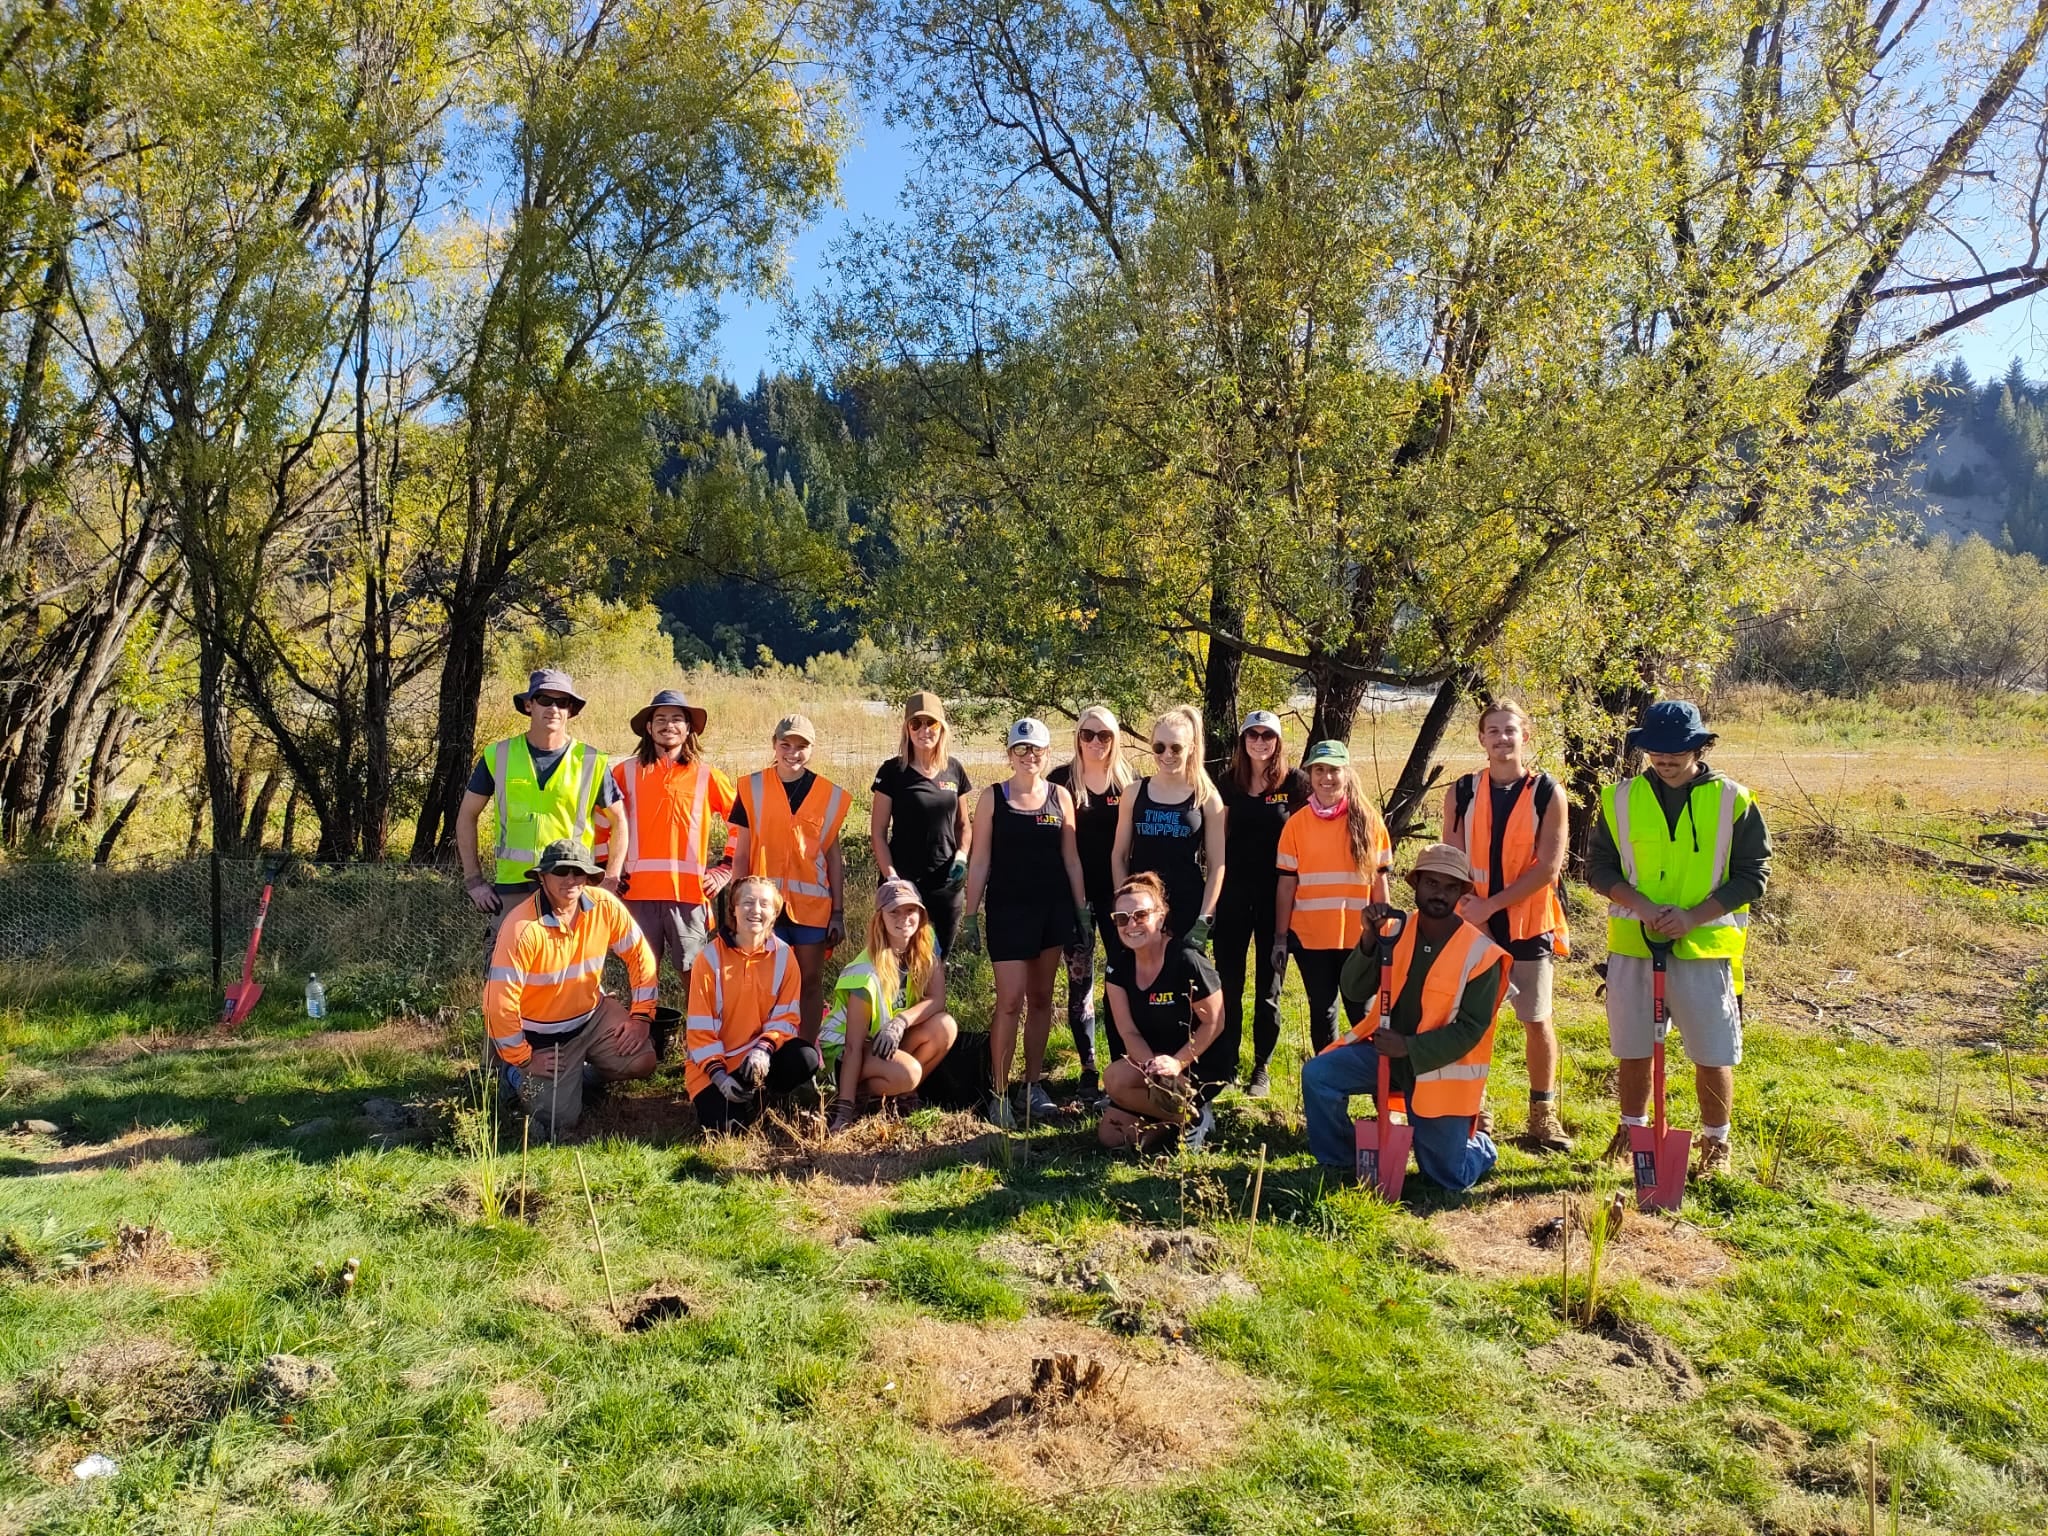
column 924, row 702
column 796, row 725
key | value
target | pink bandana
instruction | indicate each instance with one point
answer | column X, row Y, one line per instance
column 1333, row 812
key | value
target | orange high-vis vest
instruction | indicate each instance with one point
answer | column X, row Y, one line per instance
column 792, row 850
column 1331, row 893
column 1539, row 912
column 738, row 998
column 668, row 811
column 544, row 977
column 1458, row 1087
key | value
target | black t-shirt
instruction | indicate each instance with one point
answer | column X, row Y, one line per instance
column 796, row 789
column 1251, row 834
column 1094, row 833
column 1503, row 797
column 923, row 816
column 1164, row 1012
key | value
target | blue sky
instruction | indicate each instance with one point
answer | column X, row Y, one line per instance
column 752, row 339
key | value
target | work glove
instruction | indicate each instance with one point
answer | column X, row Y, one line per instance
column 516, row 1081
column 956, row 872
column 970, row 934
column 1198, row 933
column 1084, row 919
column 886, row 1039
column 729, row 1086
column 835, row 931
column 1279, row 956
column 482, row 894
column 716, row 879
column 753, row 1069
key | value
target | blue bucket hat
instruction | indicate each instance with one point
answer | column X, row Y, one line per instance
column 1671, row 725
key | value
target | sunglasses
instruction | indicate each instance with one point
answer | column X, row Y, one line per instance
column 1168, row 749
column 1260, row 733
column 1031, row 747
column 1126, row 919
column 552, row 701
column 1087, row 734
column 924, row 723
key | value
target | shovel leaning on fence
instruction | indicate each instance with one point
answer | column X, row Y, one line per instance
column 238, row 999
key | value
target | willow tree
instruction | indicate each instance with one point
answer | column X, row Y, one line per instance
column 1357, row 339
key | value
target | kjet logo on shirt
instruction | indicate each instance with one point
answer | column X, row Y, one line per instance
column 1162, row 999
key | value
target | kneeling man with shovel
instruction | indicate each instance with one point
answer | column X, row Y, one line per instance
column 1443, row 982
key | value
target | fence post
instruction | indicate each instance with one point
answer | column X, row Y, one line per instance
column 213, row 860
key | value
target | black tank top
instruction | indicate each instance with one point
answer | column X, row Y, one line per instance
column 1167, row 841
column 1026, row 863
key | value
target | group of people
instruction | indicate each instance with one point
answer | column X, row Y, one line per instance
column 1181, row 884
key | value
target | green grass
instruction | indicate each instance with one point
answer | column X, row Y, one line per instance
column 484, row 1388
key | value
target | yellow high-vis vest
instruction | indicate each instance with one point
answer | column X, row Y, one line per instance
column 530, row 817
column 1680, row 869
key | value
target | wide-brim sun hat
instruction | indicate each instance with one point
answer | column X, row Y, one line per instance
column 669, row 698
column 1442, row 859
column 1671, row 725
column 565, row 853
column 549, row 680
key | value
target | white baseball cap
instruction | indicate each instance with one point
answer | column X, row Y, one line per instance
column 1030, row 733
column 1260, row 719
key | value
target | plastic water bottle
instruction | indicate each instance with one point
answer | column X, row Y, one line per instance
column 316, row 997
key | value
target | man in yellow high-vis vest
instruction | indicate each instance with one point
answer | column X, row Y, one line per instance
column 545, row 787
column 1683, row 852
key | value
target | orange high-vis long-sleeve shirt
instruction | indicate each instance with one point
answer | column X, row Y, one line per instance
column 545, row 976
column 738, row 998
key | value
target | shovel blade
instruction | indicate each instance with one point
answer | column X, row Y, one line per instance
column 1393, row 1169
column 238, row 1002
column 1673, row 1159
column 1366, row 1138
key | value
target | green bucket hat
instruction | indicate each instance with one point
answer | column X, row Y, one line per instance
column 565, row 853
column 1327, row 752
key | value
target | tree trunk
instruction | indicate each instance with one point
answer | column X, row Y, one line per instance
column 259, row 812
column 104, row 853
column 1338, row 699
column 1405, row 806
column 462, row 683
column 1221, row 672
column 216, row 746
column 1599, row 754
column 289, row 836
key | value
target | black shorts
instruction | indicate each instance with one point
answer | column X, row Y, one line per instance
column 1024, row 932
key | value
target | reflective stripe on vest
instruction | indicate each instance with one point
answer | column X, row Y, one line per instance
column 803, row 877
column 545, row 812
column 1541, row 911
column 1457, row 1087
column 1684, row 875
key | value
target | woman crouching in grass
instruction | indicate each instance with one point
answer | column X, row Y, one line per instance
column 743, row 1040
column 1166, row 1003
column 891, row 1021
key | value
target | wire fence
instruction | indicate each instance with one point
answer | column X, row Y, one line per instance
column 388, row 938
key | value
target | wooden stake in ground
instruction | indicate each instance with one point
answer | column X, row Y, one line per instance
column 597, row 1232
column 1565, row 1261
column 1258, row 1188
column 525, row 1137
column 1872, row 1523
column 2012, row 1101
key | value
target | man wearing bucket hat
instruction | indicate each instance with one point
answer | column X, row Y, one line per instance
column 546, row 787
column 1447, row 982
column 668, row 794
column 544, row 1003
column 1681, row 852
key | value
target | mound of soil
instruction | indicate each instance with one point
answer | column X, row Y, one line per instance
column 1510, row 1239
column 146, row 1254
column 2018, row 1307
column 128, row 1389
column 1149, row 1280
column 1886, row 1205
column 1116, row 1418
column 877, row 1150
column 1619, row 1363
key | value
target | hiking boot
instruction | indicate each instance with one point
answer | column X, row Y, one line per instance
column 1618, row 1149
column 844, row 1113
column 1260, row 1084
column 1089, row 1088
column 906, row 1104
column 1715, row 1156
column 1196, row 1136
column 997, row 1112
column 1546, row 1131
column 1040, row 1103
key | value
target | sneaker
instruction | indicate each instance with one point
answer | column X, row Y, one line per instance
column 1260, row 1085
column 906, row 1104
column 1715, row 1156
column 1196, row 1136
column 997, row 1112
column 1043, row 1109
column 1618, row 1150
column 844, row 1113
column 1546, row 1131
column 1090, row 1087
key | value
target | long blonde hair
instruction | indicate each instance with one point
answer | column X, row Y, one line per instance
column 1121, row 774
column 1197, row 770
column 906, row 750
column 924, row 948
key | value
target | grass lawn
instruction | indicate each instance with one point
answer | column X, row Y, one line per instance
column 842, row 1337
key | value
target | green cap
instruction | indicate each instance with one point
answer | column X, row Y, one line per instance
column 1327, row 752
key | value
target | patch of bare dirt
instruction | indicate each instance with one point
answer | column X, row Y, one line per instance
column 133, row 1388
column 1147, row 1280
column 1619, row 1363
column 145, row 1254
column 877, row 1150
column 131, row 1149
column 2017, row 1306
column 514, row 1405
column 463, row 1202
column 1142, row 1418
column 1886, row 1205
column 1510, row 1239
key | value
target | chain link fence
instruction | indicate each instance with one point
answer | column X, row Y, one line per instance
column 386, row 938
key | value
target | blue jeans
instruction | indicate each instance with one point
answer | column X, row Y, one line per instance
column 1447, row 1148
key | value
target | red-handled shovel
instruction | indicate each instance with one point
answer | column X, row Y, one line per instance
column 1382, row 1144
column 238, row 1000
column 1660, row 1153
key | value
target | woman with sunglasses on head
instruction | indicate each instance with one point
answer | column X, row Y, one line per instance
column 1096, row 776
column 1027, row 861
column 918, row 823
column 1333, row 861
column 1259, row 793
column 1172, row 825
column 891, row 1026
column 1164, row 1001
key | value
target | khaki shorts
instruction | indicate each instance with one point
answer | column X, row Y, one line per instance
column 615, row 1042
column 1699, row 997
column 1531, row 981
